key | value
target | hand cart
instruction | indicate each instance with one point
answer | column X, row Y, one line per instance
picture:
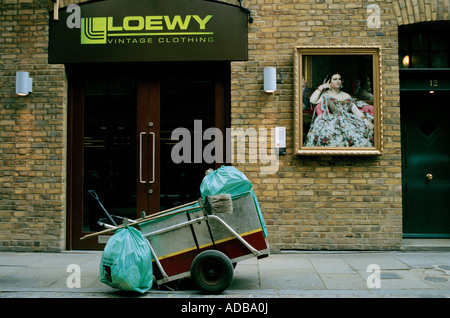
column 197, row 241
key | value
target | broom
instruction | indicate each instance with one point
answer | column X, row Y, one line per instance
column 220, row 203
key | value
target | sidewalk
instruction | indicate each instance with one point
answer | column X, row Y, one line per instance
column 302, row 274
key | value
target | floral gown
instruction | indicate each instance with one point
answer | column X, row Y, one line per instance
column 337, row 126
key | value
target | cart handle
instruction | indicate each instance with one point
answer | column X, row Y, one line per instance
column 251, row 248
column 206, row 217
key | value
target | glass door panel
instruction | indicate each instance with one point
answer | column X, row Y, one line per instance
column 109, row 149
column 187, row 101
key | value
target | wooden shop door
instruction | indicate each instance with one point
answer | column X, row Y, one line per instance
column 121, row 121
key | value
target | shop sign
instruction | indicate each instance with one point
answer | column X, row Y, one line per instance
column 149, row 30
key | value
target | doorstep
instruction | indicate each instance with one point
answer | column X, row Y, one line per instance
column 425, row 244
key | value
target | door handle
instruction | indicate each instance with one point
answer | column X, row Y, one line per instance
column 140, row 157
column 153, row 157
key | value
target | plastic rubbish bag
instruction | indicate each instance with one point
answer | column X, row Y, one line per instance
column 127, row 261
column 228, row 179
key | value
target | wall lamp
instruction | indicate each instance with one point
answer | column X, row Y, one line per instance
column 270, row 79
column 24, row 84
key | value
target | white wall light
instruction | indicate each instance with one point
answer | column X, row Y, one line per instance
column 270, row 79
column 24, row 84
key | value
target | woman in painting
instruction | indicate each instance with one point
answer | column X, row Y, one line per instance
column 340, row 122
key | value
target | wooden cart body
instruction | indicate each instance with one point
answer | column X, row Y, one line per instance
column 177, row 239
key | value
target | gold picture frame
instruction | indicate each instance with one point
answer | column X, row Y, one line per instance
column 337, row 120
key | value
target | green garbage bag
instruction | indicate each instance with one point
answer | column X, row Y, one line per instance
column 127, row 261
column 228, row 179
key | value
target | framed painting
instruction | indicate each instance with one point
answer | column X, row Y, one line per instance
column 337, row 101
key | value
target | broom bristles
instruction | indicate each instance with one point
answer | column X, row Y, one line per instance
column 220, row 203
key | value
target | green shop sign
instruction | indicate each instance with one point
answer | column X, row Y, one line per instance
column 149, row 30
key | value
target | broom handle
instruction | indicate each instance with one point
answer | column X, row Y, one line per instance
column 168, row 210
column 149, row 218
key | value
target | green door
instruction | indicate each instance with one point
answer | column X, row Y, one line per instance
column 425, row 120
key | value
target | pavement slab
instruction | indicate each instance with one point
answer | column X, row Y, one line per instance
column 290, row 275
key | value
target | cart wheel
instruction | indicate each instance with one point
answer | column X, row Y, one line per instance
column 212, row 271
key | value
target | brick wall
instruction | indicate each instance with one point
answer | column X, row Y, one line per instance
column 408, row 12
column 321, row 202
column 311, row 203
column 329, row 203
column 32, row 133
